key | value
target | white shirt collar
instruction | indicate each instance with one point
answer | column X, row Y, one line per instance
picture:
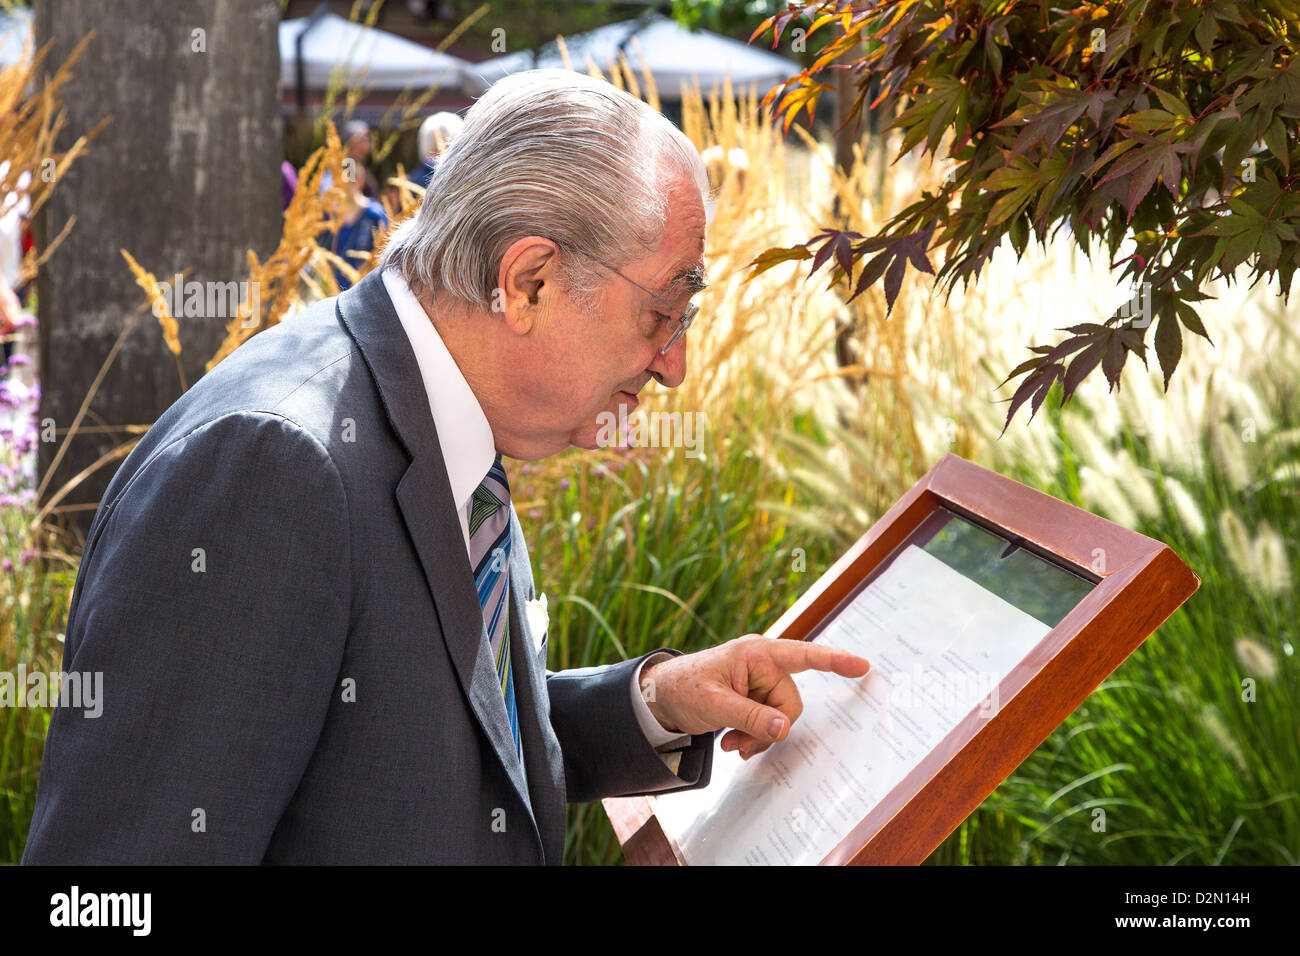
column 468, row 447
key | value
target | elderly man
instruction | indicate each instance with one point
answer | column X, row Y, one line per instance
column 306, row 587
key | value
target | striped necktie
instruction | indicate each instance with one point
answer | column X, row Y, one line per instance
column 489, row 556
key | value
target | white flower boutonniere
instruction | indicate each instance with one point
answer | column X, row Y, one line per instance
column 538, row 619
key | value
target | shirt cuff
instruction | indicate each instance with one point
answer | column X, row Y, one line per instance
column 654, row 731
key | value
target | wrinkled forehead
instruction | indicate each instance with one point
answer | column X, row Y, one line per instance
column 681, row 274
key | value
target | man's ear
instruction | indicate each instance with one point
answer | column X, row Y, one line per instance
column 526, row 283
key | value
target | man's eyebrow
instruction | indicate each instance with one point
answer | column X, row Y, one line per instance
column 689, row 279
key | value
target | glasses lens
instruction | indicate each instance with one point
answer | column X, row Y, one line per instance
column 683, row 324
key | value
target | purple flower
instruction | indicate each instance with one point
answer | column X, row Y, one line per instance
column 24, row 321
column 534, row 512
column 564, row 484
column 26, row 556
column 18, row 358
column 6, row 565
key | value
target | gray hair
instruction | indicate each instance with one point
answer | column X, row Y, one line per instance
column 354, row 128
column 544, row 153
column 437, row 132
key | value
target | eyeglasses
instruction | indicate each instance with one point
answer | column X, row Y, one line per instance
column 683, row 323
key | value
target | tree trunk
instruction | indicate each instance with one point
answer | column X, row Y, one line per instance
column 185, row 177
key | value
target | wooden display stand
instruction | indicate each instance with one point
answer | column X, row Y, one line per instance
column 1139, row 582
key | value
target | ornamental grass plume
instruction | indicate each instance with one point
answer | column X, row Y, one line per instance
column 1186, row 509
column 279, row 278
column 1273, row 570
column 1237, row 543
column 30, row 166
column 36, row 572
column 1256, row 659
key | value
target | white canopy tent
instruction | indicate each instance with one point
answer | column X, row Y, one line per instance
column 369, row 58
column 15, row 35
column 675, row 56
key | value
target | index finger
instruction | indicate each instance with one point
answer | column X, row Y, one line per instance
column 795, row 656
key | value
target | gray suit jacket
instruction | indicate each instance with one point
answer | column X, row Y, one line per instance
column 295, row 670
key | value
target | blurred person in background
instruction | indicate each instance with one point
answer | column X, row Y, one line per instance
column 14, row 207
column 10, row 310
column 355, row 237
column 436, row 134
column 358, row 142
column 288, row 182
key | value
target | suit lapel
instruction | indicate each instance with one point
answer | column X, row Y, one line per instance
column 541, row 746
column 429, row 512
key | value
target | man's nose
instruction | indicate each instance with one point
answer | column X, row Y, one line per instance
column 670, row 370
